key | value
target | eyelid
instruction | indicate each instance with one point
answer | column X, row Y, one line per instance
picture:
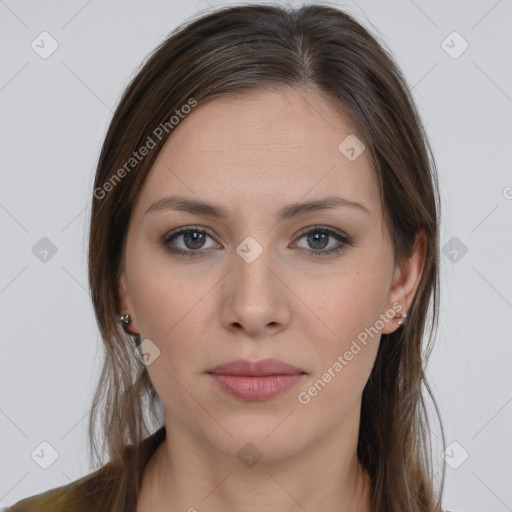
column 327, row 229
column 184, row 229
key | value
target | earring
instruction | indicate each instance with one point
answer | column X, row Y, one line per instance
column 402, row 318
column 125, row 319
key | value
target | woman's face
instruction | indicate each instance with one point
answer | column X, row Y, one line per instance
column 257, row 284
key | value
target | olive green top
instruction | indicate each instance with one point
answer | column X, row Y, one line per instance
column 84, row 494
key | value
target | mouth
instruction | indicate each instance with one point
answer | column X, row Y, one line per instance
column 256, row 381
column 262, row 368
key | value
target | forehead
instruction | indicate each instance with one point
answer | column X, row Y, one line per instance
column 262, row 148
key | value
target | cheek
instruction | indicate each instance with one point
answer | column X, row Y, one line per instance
column 165, row 296
column 347, row 308
column 335, row 392
column 347, row 302
column 346, row 352
column 171, row 313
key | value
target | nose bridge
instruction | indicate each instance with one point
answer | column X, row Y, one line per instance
column 252, row 261
column 253, row 293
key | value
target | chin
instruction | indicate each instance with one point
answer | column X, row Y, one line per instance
column 266, row 439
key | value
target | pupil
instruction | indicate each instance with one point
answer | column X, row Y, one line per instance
column 194, row 237
column 314, row 239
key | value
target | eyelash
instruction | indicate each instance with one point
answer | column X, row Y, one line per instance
column 344, row 239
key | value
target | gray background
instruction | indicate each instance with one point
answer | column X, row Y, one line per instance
column 55, row 112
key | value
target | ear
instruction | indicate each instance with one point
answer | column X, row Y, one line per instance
column 126, row 304
column 406, row 279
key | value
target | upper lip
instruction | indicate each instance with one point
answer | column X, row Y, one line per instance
column 256, row 368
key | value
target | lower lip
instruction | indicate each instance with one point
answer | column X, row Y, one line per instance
column 256, row 388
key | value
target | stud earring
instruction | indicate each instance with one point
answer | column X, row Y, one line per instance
column 125, row 319
column 402, row 318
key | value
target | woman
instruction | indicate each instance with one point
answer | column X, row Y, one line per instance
column 265, row 230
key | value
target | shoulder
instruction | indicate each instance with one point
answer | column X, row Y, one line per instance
column 54, row 500
column 78, row 496
column 87, row 493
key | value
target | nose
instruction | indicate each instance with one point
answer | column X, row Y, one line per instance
column 256, row 296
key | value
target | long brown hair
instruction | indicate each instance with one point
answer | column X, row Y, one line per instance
column 313, row 47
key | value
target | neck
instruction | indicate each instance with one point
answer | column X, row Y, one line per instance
column 187, row 473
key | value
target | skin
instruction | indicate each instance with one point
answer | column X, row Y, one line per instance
column 255, row 153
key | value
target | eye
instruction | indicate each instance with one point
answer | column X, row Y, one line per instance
column 193, row 238
column 318, row 238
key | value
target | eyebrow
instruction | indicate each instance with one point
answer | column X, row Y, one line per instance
column 218, row 211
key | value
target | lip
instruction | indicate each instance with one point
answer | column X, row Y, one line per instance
column 260, row 368
column 257, row 381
